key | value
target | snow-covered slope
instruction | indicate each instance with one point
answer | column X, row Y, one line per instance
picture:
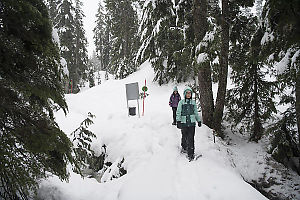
column 150, row 147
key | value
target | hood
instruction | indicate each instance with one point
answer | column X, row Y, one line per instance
column 175, row 89
column 187, row 89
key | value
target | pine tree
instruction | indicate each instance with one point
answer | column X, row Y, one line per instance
column 73, row 41
column 52, row 6
column 123, row 31
column 67, row 19
column 212, row 38
column 107, row 44
column 96, row 62
column 81, row 55
column 281, row 46
column 167, row 39
column 100, row 36
column 66, row 31
column 91, row 76
column 31, row 143
column 53, row 10
column 251, row 103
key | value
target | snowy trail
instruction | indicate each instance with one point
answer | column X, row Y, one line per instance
column 150, row 146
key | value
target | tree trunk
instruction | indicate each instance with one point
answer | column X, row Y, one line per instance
column 200, row 26
column 200, row 23
column 298, row 109
column 223, row 72
column 206, row 95
column 257, row 127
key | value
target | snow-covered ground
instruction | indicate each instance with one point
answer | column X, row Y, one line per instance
column 253, row 162
column 150, row 148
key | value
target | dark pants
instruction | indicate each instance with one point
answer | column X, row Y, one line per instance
column 174, row 114
column 187, row 140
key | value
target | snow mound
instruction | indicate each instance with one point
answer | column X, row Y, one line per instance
column 150, row 147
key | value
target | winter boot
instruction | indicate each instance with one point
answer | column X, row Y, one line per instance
column 191, row 157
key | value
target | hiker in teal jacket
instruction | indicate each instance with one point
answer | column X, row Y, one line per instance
column 187, row 116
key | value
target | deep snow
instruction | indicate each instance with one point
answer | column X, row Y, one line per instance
column 150, row 146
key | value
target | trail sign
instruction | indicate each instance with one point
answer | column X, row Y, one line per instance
column 144, row 88
column 132, row 93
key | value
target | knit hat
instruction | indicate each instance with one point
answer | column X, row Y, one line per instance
column 175, row 89
column 187, row 89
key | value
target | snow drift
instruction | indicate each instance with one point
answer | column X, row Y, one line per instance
column 150, row 146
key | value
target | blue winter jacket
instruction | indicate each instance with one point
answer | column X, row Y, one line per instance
column 187, row 112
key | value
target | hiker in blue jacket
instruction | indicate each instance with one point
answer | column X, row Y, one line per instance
column 187, row 116
column 174, row 100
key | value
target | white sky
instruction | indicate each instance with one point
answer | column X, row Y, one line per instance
column 90, row 9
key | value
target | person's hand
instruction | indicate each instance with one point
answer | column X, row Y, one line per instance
column 179, row 125
column 199, row 124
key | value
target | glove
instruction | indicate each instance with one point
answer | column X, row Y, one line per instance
column 179, row 125
column 199, row 123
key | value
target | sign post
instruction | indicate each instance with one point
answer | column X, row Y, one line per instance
column 145, row 90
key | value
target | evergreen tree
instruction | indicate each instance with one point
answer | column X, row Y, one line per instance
column 103, row 37
column 96, row 62
column 31, row 143
column 167, row 39
column 53, row 10
column 212, row 53
column 281, row 46
column 91, row 76
column 251, row 103
column 107, row 44
column 201, row 31
column 81, row 55
column 67, row 19
column 66, row 31
column 82, row 139
column 100, row 36
column 73, row 41
column 123, row 31
column 53, row 13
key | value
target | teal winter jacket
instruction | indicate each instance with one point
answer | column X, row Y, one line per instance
column 187, row 112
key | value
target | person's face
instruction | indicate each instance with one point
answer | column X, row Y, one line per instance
column 188, row 94
column 175, row 92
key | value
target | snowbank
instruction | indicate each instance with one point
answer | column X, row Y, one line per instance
column 150, row 146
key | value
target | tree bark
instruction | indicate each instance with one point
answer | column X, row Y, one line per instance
column 298, row 108
column 200, row 26
column 223, row 72
column 200, row 23
column 206, row 95
column 257, row 127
